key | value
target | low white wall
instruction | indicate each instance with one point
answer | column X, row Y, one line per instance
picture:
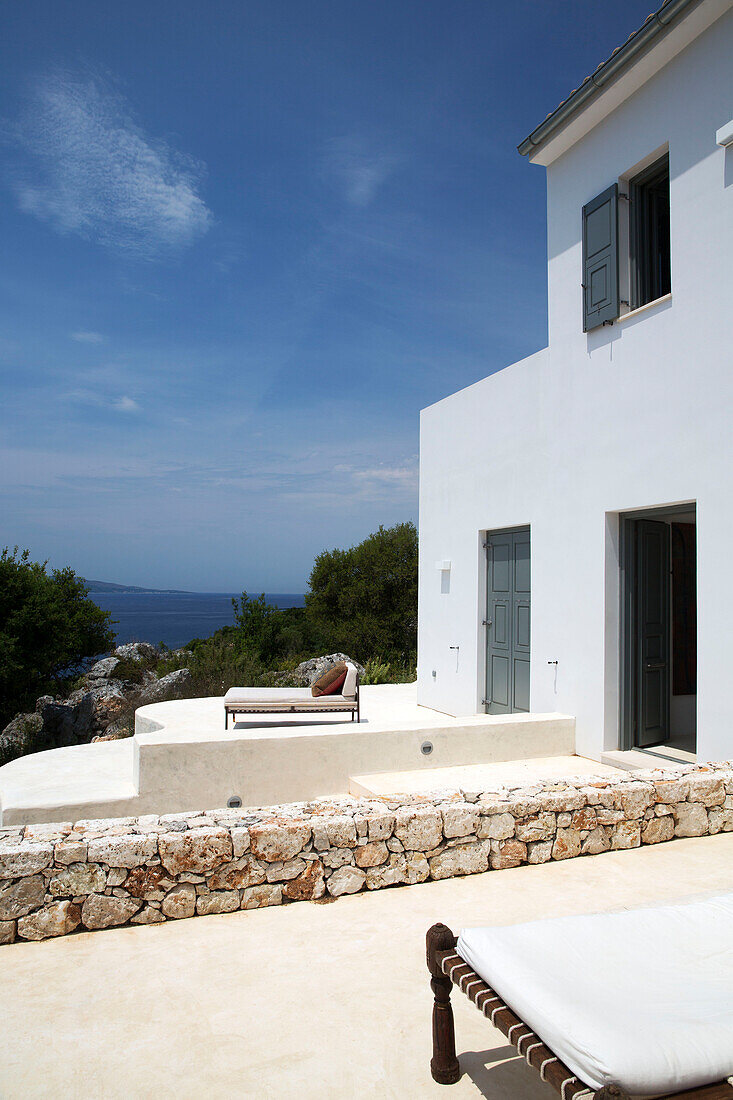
column 294, row 764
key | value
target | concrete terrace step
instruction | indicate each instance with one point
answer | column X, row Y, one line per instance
column 474, row 777
column 78, row 781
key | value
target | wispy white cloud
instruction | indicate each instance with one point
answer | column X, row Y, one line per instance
column 118, row 402
column 87, row 337
column 357, row 170
column 125, row 404
column 93, row 171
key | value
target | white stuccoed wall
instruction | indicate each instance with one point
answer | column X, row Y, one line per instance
column 634, row 415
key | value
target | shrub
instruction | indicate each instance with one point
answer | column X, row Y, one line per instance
column 48, row 626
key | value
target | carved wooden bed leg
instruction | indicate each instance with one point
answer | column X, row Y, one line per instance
column 444, row 1064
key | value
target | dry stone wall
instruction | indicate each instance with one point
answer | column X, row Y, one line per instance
column 68, row 877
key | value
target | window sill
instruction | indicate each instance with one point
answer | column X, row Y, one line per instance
column 643, row 309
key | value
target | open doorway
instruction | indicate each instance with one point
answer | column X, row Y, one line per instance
column 659, row 636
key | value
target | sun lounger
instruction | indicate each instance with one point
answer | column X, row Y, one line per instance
column 257, row 700
column 637, row 1003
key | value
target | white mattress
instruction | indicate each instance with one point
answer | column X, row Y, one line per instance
column 277, row 698
column 641, row 998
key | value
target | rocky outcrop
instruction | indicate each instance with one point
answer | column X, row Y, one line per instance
column 101, row 708
column 307, row 672
column 56, row 879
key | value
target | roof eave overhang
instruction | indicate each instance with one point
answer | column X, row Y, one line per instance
column 573, row 118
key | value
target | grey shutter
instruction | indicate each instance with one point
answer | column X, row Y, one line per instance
column 600, row 259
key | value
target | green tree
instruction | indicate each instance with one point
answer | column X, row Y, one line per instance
column 365, row 598
column 48, row 625
column 258, row 624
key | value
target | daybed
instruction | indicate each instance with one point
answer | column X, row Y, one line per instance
column 257, row 700
column 636, row 1003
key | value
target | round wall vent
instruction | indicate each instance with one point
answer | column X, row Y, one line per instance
column 426, row 748
column 234, row 802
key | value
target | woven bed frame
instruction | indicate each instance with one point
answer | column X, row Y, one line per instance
column 447, row 969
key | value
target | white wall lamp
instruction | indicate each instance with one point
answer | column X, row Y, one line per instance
column 444, row 568
column 724, row 136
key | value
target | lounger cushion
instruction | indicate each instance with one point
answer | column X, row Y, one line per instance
column 273, row 699
column 349, row 688
column 640, row 998
column 330, row 681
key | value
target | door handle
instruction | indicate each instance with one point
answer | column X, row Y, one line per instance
column 652, row 666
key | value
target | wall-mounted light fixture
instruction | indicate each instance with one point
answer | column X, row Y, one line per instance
column 724, row 136
column 444, row 568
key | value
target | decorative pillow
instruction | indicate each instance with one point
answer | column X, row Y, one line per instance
column 331, row 680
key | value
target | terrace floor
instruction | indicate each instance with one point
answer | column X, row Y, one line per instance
column 305, row 1000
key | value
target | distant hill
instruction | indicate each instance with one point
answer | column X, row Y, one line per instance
column 108, row 586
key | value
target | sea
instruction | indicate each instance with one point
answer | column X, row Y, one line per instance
column 174, row 618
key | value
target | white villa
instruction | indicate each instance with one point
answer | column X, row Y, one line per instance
column 576, row 507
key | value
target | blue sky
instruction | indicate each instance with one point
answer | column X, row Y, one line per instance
column 243, row 245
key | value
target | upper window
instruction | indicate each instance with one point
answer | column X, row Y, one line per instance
column 626, row 245
column 649, row 234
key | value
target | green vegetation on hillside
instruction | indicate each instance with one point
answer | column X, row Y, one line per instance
column 362, row 601
column 48, row 626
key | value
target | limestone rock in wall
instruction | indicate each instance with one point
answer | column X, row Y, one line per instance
column 656, row 830
column 345, row 880
column 243, row 872
column 78, row 878
column 720, row 820
column 596, row 842
column 57, row 919
column 282, row 872
column 147, row 883
column 465, row 859
column 100, row 911
column 308, row 886
column 691, row 819
column 127, row 850
column 148, row 915
column 19, row 898
column 567, row 844
column 707, row 789
column 371, row 854
column 199, row 850
column 7, row 931
column 278, row 842
column 219, row 901
column 627, row 834
column 70, row 851
column 180, row 901
column 381, row 826
column 256, row 897
column 19, row 860
column 460, row 820
column 539, row 851
column 496, row 827
column 341, row 832
column 508, row 853
column 419, row 829
column 540, row 826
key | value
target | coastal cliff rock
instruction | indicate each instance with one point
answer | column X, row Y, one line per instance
column 307, row 672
